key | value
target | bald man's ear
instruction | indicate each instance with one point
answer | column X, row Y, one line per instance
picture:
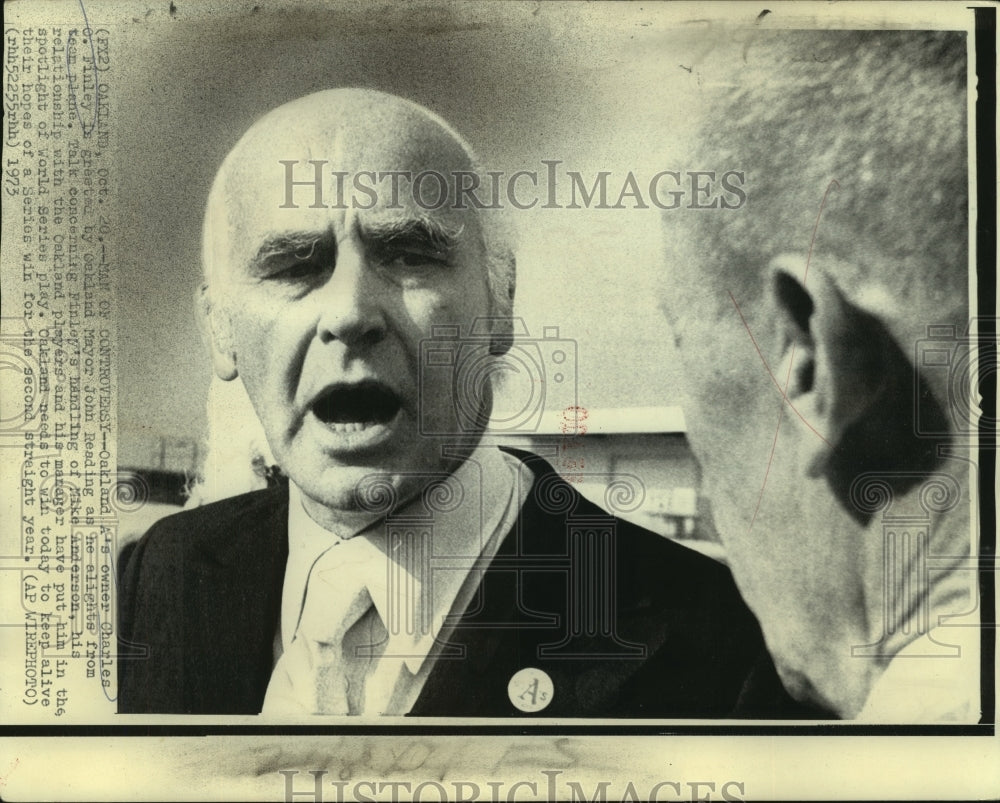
column 853, row 388
column 503, row 326
column 215, row 332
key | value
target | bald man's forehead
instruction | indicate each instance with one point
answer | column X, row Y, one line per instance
column 352, row 130
column 263, row 206
column 314, row 170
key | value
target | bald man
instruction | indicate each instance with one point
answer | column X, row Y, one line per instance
column 392, row 571
column 835, row 457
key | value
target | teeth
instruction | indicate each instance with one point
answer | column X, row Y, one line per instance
column 351, row 426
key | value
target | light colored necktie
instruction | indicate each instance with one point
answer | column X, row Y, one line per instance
column 318, row 673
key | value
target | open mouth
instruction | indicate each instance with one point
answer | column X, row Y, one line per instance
column 356, row 407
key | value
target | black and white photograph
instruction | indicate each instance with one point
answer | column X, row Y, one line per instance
column 498, row 401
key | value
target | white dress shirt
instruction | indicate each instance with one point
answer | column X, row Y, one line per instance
column 418, row 567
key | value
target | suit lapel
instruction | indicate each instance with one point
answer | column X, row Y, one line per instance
column 234, row 603
column 489, row 638
column 521, row 615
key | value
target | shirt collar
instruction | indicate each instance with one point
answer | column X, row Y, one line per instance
column 415, row 561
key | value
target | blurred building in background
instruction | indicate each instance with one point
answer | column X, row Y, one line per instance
column 633, row 461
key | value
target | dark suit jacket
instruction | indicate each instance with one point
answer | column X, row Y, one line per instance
column 200, row 596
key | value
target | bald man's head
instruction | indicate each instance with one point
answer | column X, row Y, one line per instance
column 322, row 301
column 352, row 131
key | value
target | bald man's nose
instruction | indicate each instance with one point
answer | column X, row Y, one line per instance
column 352, row 301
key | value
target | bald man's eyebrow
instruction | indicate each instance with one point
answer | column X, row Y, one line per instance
column 422, row 234
column 279, row 248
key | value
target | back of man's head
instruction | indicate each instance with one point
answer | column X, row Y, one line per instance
column 878, row 119
column 853, row 150
column 798, row 317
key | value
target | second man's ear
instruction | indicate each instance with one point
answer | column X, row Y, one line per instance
column 837, row 352
column 215, row 331
column 849, row 381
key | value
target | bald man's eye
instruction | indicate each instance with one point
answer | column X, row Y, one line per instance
column 413, row 259
column 295, row 269
column 309, row 262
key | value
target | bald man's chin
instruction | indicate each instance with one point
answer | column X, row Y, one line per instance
column 345, row 490
column 349, row 497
